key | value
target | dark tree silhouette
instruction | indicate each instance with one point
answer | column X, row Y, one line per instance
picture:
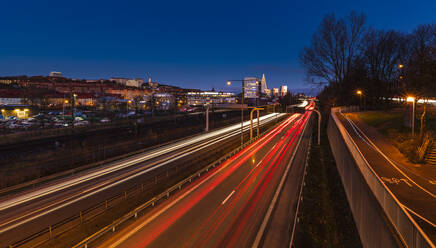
column 334, row 47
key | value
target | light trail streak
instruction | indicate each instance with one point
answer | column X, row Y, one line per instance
column 57, row 187
column 208, row 188
column 63, row 202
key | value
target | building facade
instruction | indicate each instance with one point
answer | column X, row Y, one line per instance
column 55, row 74
column 137, row 82
column 212, row 97
column 283, row 90
column 276, row 92
column 251, row 87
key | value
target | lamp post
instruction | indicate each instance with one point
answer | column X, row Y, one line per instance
column 359, row 92
column 73, row 108
column 229, row 82
column 412, row 100
column 63, row 107
column 128, row 105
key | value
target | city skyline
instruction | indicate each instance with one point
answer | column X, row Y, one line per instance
column 192, row 45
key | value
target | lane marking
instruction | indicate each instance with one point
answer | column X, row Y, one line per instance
column 389, row 160
column 413, row 212
column 115, row 179
column 228, row 197
column 175, row 201
column 265, row 221
column 132, row 175
column 262, row 159
column 396, row 181
column 127, row 163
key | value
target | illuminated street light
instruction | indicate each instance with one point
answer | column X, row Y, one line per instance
column 412, row 100
column 360, row 93
column 229, row 83
column 400, row 66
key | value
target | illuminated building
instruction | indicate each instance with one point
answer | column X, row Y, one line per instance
column 211, row 97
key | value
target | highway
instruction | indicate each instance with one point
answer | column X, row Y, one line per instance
column 416, row 191
column 238, row 204
column 25, row 213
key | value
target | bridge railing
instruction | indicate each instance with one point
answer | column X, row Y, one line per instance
column 405, row 227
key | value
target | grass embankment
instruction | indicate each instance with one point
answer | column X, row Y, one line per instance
column 391, row 125
column 325, row 216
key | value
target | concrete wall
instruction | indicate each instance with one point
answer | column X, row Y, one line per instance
column 371, row 222
column 380, row 218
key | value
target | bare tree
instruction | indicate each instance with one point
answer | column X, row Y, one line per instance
column 383, row 51
column 420, row 69
column 334, row 47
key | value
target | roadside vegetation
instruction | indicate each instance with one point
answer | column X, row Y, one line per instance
column 391, row 125
column 354, row 63
column 325, row 218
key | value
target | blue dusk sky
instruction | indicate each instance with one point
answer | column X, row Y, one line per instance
column 193, row 44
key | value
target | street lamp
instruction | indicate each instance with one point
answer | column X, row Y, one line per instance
column 229, row 82
column 73, row 108
column 360, row 93
column 400, row 66
column 63, row 107
column 412, row 100
column 128, row 105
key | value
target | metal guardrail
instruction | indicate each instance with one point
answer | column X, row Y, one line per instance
column 45, row 235
column 134, row 214
column 408, row 230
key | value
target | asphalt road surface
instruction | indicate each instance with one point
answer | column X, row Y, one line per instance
column 417, row 192
column 235, row 205
column 25, row 213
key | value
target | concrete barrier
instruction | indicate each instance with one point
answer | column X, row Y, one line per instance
column 380, row 218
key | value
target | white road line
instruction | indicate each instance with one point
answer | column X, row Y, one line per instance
column 389, row 160
column 216, row 140
column 152, row 154
column 413, row 212
column 146, row 222
column 277, row 193
column 228, row 197
column 98, row 190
